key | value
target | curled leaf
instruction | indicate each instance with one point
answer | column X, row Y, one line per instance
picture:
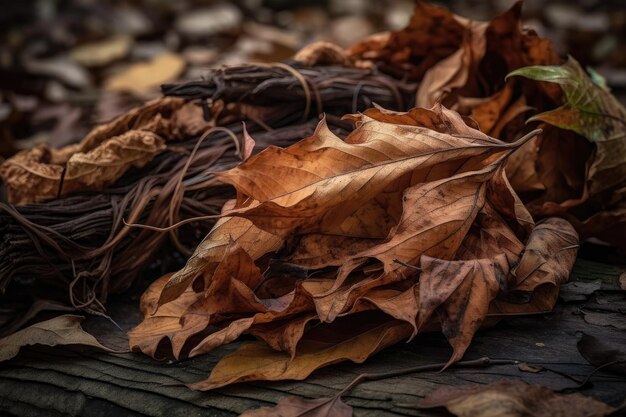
column 589, row 109
column 545, row 264
column 211, row 251
column 30, row 175
column 103, row 156
column 588, row 173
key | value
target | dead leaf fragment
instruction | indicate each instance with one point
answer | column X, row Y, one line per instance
column 617, row 320
column 579, row 291
column 62, row 330
column 454, row 71
column 513, row 399
column 603, row 353
column 210, row 251
column 432, row 34
column 322, row 53
column 525, row 367
column 103, row 52
column 302, row 407
column 141, row 78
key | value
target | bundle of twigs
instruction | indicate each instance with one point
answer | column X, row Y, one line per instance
column 300, row 89
column 78, row 249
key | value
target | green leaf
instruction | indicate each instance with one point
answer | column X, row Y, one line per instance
column 597, row 78
column 589, row 109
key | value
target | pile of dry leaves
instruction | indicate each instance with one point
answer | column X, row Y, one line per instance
column 465, row 207
column 335, row 249
column 338, row 247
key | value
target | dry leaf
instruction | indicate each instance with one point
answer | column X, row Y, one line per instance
column 511, row 399
column 432, row 34
column 35, row 308
column 549, row 255
column 104, row 164
column 301, row 407
column 162, row 323
column 30, row 175
column 322, row 53
column 141, row 78
column 617, row 320
column 331, row 194
column 210, row 252
column 103, row 156
column 545, row 264
column 453, row 203
column 353, row 343
column 61, row 330
column 579, row 291
column 454, row 71
column 103, row 52
column 534, row 369
column 604, row 353
column 461, row 292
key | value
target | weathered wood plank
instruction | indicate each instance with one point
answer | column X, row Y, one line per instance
column 78, row 382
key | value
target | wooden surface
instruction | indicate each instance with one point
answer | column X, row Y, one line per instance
column 78, row 382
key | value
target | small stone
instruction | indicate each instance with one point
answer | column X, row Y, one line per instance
column 210, row 21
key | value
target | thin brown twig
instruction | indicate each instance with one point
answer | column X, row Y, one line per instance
column 584, row 383
column 475, row 363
